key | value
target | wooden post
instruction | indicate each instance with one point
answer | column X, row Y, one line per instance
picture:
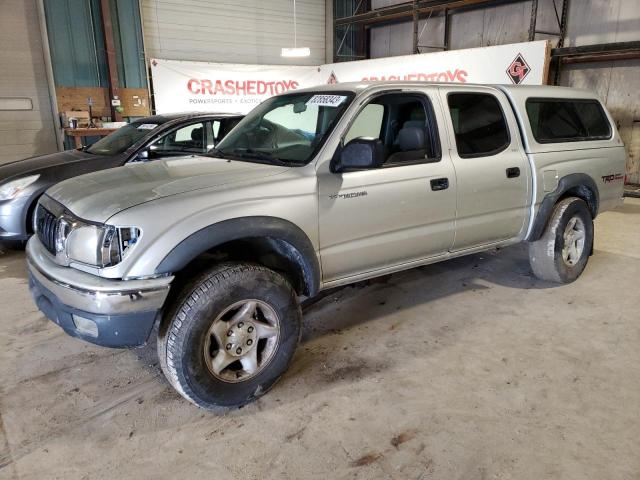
column 546, row 71
column 112, row 64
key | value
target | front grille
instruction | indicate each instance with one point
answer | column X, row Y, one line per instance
column 47, row 224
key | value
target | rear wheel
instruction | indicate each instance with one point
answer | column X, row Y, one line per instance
column 230, row 336
column 562, row 253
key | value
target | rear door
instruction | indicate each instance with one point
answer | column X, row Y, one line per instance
column 492, row 170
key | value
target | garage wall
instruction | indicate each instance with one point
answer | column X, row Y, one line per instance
column 251, row 31
column 592, row 21
column 589, row 22
column 23, row 133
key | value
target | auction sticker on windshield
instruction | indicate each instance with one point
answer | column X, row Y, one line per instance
column 147, row 126
column 326, row 100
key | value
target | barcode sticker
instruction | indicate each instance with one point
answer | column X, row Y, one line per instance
column 147, row 126
column 326, row 100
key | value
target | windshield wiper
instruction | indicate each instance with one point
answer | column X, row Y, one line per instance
column 250, row 153
column 215, row 152
column 262, row 157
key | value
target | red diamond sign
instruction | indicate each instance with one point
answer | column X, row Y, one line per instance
column 518, row 70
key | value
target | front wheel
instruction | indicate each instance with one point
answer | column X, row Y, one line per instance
column 562, row 253
column 230, row 335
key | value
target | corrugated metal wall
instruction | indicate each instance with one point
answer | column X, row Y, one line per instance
column 251, row 31
column 23, row 133
column 589, row 22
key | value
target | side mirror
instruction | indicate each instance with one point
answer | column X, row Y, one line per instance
column 361, row 153
column 143, row 155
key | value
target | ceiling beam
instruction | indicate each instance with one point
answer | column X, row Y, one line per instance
column 597, row 49
column 405, row 11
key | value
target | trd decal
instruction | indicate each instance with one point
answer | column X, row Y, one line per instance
column 334, row 196
column 614, row 177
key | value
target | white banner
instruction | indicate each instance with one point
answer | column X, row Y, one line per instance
column 222, row 87
column 517, row 63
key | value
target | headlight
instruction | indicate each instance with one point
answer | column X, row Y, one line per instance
column 13, row 188
column 98, row 245
column 71, row 239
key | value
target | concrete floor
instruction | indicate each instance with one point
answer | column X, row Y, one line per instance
column 468, row 369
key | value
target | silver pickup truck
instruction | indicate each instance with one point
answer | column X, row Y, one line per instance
column 315, row 189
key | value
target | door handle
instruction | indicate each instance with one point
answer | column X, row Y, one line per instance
column 439, row 184
column 513, row 172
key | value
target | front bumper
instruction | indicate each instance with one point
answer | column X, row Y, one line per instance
column 13, row 215
column 111, row 313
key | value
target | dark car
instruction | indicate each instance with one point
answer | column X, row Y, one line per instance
column 22, row 182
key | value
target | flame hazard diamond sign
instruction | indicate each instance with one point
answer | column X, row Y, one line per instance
column 518, row 69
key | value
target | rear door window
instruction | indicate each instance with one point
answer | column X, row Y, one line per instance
column 478, row 123
column 555, row 120
column 188, row 139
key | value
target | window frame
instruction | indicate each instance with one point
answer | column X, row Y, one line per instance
column 213, row 128
column 432, row 128
column 226, row 125
column 490, row 153
column 568, row 139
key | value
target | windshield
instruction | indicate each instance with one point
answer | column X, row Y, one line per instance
column 288, row 129
column 120, row 140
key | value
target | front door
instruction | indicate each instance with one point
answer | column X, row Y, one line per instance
column 492, row 171
column 396, row 214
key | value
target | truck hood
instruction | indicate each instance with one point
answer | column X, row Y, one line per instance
column 100, row 195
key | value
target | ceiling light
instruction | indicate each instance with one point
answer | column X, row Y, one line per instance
column 295, row 51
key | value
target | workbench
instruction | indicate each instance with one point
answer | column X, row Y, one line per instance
column 79, row 133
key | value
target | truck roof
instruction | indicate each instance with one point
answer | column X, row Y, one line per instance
column 516, row 94
column 513, row 91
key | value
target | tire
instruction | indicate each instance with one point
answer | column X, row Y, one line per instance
column 559, row 255
column 244, row 314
